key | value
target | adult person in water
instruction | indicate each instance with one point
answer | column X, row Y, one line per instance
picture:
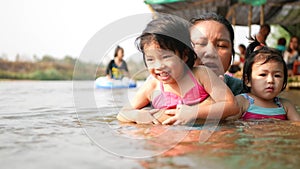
column 213, row 40
column 184, row 93
column 117, row 67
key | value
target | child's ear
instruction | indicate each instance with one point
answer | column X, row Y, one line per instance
column 185, row 56
column 247, row 81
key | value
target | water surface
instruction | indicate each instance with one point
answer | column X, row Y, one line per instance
column 50, row 124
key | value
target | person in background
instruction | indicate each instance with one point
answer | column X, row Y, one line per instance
column 262, row 34
column 291, row 54
column 242, row 49
column 239, row 60
column 264, row 77
column 213, row 40
column 117, row 67
column 182, row 92
column 281, row 42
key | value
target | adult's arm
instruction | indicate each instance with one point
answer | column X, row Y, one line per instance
column 109, row 67
column 222, row 102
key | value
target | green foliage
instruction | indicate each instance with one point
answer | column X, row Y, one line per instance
column 49, row 68
column 278, row 33
column 48, row 58
column 49, row 74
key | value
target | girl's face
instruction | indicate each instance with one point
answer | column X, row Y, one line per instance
column 164, row 65
column 212, row 44
column 266, row 79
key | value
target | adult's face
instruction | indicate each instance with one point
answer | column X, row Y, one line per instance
column 120, row 54
column 294, row 43
column 211, row 41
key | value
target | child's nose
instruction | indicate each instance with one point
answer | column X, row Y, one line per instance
column 270, row 79
column 158, row 64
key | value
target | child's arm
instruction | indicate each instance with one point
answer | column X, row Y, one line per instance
column 223, row 105
column 133, row 113
column 290, row 109
column 243, row 105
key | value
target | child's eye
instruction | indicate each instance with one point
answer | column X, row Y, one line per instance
column 149, row 59
column 262, row 74
column 278, row 76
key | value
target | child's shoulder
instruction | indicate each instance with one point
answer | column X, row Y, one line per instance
column 205, row 73
column 285, row 102
column 200, row 69
column 151, row 83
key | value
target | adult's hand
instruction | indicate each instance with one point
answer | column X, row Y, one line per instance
column 183, row 114
column 221, row 77
column 143, row 116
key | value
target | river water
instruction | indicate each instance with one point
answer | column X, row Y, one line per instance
column 65, row 124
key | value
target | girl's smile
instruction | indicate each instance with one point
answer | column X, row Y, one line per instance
column 164, row 76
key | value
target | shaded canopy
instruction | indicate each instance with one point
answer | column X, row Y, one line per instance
column 285, row 13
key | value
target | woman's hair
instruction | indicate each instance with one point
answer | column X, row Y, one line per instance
column 117, row 49
column 219, row 18
column 170, row 33
column 264, row 54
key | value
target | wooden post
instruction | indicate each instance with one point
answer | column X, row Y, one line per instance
column 233, row 17
column 250, row 19
column 152, row 11
column 262, row 15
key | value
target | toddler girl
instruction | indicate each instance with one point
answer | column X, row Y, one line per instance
column 264, row 77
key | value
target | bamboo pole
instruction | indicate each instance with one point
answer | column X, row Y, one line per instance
column 262, row 15
column 233, row 17
column 250, row 19
column 152, row 11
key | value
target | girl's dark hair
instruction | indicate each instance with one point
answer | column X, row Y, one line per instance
column 171, row 33
column 264, row 54
column 117, row 49
column 219, row 18
column 250, row 48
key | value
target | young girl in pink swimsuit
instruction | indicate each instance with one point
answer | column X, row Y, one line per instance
column 178, row 92
column 264, row 77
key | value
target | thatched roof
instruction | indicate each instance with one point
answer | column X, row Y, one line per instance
column 283, row 12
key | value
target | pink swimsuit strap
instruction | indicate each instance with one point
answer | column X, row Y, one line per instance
column 168, row 100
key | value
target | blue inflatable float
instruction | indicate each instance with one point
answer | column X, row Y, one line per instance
column 105, row 83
